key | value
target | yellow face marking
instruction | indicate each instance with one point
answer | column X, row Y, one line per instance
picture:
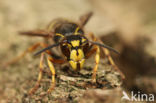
column 76, row 55
column 83, row 40
column 75, row 43
column 58, row 34
column 76, row 31
column 73, row 64
column 69, row 46
column 80, row 54
column 81, row 63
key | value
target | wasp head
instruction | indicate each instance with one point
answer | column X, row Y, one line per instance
column 74, row 47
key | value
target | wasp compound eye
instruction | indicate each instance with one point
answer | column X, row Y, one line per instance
column 65, row 50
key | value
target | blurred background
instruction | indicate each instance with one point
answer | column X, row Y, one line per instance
column 126, row 25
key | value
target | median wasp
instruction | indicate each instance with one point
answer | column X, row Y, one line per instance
column 74, row 43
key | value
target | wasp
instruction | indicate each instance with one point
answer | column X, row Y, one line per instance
column 74, row 43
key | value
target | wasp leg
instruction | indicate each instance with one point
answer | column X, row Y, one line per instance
column 90, row 53
column 29, row 50
column 97, row 59
column 33, row 90
column 40, row 33
column 50, row 61
column 52, row 69
column 111, row 62
column 84, row 19
column 58, row 61
column 106, row 52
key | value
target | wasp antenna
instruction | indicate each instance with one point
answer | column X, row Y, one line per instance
column 49, row 47
column 105, row 46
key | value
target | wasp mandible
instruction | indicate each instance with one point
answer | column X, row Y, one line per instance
column 73, row 43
